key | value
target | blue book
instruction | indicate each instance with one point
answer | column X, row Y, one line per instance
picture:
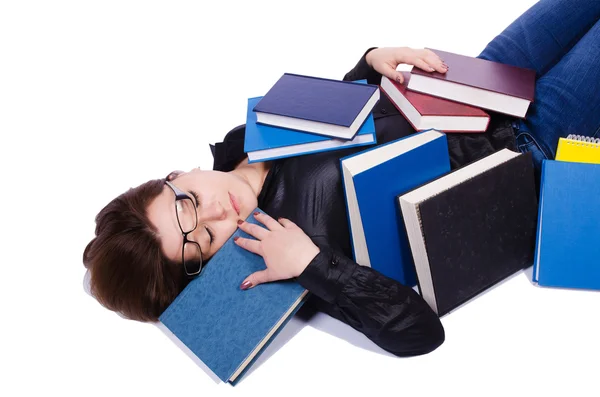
column 372, row 179
column 567, row 253
column 321, row 106
column 225, row 327
column 264, row 142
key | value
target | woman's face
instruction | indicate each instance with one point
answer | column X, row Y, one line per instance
column 223, row 198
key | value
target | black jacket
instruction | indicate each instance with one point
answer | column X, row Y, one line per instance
column 308, row 190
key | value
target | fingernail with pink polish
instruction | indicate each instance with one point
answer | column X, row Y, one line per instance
column 256, row 213
column 245, row 285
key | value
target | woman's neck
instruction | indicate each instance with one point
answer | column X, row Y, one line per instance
column 254, row 174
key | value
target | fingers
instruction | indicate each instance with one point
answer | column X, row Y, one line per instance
column 266, row 220
column 421, row 64
column 431, row 66
column 249, row 244
column 391, row 73
column 434, row 61
column 262, row 276
column 254, row 230
column 286, row 223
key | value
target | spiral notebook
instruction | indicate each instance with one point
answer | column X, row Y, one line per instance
column 578, row 148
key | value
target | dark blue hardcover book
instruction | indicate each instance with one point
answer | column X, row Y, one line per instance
column 316, row 105
column 225, row 327
column 265, row 142
column 567, row 253
column 372, row 179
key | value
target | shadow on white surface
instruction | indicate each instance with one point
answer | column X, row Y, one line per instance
column 528, row 272
column 309, row 315
column 334, row 327
column 188, row 352
column 306, row 315
column 284, row 336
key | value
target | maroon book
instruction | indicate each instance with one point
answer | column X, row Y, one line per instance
column 425, row 111
column 489, row 85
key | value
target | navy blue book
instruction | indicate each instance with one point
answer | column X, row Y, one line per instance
column 567, row 253
column 225, row 327
column 264, row 142
column 372, row 179
column 321, row 106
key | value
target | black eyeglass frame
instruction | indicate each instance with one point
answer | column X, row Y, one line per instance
column 181, row 195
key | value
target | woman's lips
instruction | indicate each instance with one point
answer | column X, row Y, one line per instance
column 234, row 203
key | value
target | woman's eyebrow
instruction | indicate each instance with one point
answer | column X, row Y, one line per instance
column 196, row 198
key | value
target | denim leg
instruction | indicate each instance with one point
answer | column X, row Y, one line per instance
column 543, row 34
column 567, row 99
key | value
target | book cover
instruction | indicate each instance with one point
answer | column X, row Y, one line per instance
column 322, row 106
column 579, row 149
column 372, row 179
column 225, row 327
column 425, row 111
column 472, row 228
column 490, row 85
column 567, row 252
column 264, row 142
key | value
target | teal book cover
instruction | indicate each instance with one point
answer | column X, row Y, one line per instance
column 225, row 327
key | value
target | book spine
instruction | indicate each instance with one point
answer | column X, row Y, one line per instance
column 398, row 107
column 538, row 236
column 331, row 80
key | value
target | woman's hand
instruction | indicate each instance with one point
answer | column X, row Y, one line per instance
column 385, row 61
column 286, row 249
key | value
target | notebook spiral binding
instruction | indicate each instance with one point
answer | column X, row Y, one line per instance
column 584, row 139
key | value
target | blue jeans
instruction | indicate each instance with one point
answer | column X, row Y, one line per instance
column 560, row 40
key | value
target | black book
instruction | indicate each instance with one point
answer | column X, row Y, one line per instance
column 472, row 228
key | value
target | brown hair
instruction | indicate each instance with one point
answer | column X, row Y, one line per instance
column 129, row 273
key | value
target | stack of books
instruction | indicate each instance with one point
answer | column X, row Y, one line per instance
column 301, row 115
column 454, row 234
column 456, row 101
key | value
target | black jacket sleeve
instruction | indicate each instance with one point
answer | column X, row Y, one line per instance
column 390, row 314
column 362, row 70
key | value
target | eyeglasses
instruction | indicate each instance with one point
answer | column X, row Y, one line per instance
column 187, row 218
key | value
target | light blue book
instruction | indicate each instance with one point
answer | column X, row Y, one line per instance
column 567, row 253
column 264, row 142
column 372, row 179
column 225, row 327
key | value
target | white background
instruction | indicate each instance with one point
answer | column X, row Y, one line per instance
column 97, row 97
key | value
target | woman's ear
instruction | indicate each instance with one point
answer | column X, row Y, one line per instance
column 173, row 175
